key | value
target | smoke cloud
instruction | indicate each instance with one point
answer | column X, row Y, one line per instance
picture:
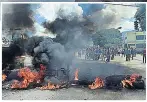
column 72, row 33
column 72, row 29
column 113, row 16
column 17, row 16
column 52, row 11
column 67, row 23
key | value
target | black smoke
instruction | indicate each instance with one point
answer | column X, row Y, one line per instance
column 49, row 53
column 8, row 56
column 17, row 16
column 72, row 34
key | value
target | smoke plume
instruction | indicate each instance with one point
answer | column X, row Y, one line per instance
column 72, row 32
column 17, row 16
column 113, row 16
column 67, row 23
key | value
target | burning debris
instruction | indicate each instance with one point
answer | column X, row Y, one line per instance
column 30, row 78
column 52, row 57
column 97, row 84
column 4, row 77
column 134, row 81
column 50, row 86
column 24, row 77
column 76, row 74
column 54, row 53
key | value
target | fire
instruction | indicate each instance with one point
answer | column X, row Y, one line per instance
column 28, row 77
column 130, row 81
column 4, row 77
column 98, row 83
column 76, row 74
column 50, row 86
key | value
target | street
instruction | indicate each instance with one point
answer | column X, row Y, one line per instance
column 88, row 70
column 60, row 47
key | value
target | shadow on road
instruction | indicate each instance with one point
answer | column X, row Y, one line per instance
column 88, row 70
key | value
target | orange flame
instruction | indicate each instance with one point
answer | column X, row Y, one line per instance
column 4, row 77
column 50, row 86
column 98, row 83
column 76, row 74
column 130, row 81
column 28, row 77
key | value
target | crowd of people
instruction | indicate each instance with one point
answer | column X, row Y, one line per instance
column 108, row 54
column 105, row 54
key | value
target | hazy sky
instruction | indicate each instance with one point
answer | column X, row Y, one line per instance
column 103, row 15
column 110, row 16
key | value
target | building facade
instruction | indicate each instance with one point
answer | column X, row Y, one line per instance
column 134, row 39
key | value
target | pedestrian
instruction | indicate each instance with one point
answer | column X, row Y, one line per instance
column 132, row 53
column 79, row 53
column 128, row 54
column 119, row 50
column 87, row 54
column 99, row 55
column 116, row 51
column 108, row 55
column 112, row 52
column 122, row 52
column 144, row 55
column 103, row 54
column 97, row 52
column 90, row 53
column 93, row 53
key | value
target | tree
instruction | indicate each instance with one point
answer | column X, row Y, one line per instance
column 140, row 17
column 107, row 38
column 98, row 39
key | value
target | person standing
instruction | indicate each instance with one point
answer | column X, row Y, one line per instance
column 119, row 51
column 103, row 54
column 125, row 52
column 108, row 55
column 144, row 55
column 112, row 52
column 97, row 53
column 79, row 53
column 132, row 53
column 122, row 52
column 135, row 52
column 128, row 54
column 87, row 54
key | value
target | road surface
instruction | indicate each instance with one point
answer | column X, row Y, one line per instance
column 88, row 70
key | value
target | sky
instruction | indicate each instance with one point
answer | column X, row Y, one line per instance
column 111, row 16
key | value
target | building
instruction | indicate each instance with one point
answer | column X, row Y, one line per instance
column 134, row 39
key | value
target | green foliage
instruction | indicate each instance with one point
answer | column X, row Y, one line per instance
column 141, row 16
column 107, row 38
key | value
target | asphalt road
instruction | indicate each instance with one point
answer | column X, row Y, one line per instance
column 87, row 70
column 73, row 94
